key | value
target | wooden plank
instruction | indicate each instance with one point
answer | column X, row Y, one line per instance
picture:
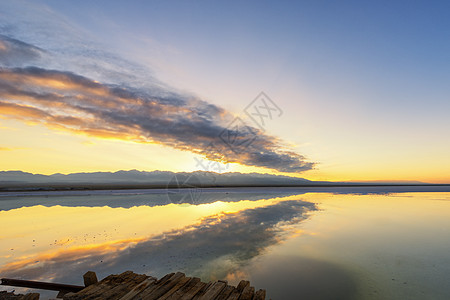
column 165, row 278
column 213, row 291
column 173, row 286
column 139, row 288
column 247, row 293
column 202, row 291
column 179, row 285
column 154, row 286
column 41, row 285
column 225, row 292
column 161, row 289
column 242, row 285
column 192, row 292
column 235, row 294
column 111, row 287
column 184, row 289
column 90, row 278
column 260, row 295
column 90, row 290
column 112, row 293
column 87, row 291
column 147, row 289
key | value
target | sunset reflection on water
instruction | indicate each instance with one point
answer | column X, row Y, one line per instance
column 360, row 246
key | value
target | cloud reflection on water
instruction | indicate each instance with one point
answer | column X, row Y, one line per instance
column 219, row 244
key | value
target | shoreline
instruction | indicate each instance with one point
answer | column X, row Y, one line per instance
column 81, row 189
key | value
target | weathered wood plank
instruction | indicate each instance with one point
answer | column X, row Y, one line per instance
column 90, row 289
column 202, row 291
column 260, row 295
column 86, row 293
column 41, row 285
column 116, row 292
column 163, row 288
column 192, row 292
column 234, row 295
column 173, row 286
column 90, row 278
column 242, row 285
column 139, row 288
column 225, row 292
column 184, row 289
column 213, row 291
column 154, row 286
column 179, row 285
column 165, row 278
column 247, row 293
column 111, row 287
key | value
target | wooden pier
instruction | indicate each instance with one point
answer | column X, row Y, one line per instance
column 129, row 285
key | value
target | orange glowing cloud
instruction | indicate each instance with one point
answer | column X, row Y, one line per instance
column 70, row 102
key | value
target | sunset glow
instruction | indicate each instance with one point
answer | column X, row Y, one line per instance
column 362, row 112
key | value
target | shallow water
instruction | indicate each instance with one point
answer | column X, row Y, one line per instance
column 356, row 243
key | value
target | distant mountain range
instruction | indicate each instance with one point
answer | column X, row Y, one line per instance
column 151, row 178
column 134, row 178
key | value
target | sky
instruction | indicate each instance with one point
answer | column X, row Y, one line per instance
column 350, row 90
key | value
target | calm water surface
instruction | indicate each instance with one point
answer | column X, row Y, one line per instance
column 295, row 243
